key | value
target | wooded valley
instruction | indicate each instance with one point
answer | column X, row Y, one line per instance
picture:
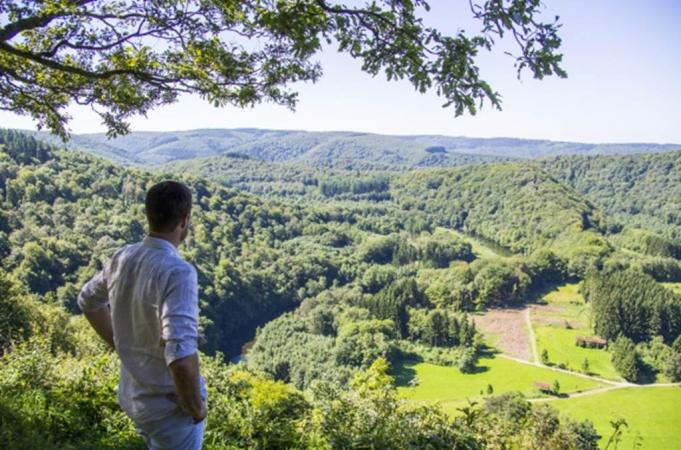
column 352, row 282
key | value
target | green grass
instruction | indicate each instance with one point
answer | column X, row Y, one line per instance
column 481, row 250
column 451, row 388
column 676, row 287
column 560, row 345
column 565, row 295
column 567, row 306
column 654, row 413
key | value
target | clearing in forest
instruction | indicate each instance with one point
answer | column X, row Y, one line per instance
column 482, row 248
column 451, row 388
column 675, row 287
column 557, row 323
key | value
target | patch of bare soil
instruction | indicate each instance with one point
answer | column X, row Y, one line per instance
column 508, row 328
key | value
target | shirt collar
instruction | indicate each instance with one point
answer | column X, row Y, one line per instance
column 154, row 242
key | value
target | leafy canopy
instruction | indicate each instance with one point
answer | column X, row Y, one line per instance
column 125, row 57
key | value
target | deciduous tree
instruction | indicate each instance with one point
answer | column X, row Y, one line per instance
column 126, row 57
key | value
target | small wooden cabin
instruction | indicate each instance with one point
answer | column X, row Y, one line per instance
column 591, row 342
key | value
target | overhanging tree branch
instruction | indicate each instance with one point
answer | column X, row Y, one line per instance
column 102, row 53
column 10, row 30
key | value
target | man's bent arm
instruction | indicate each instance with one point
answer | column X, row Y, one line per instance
column 100, row 319
column 186, row 374
column 93, row 300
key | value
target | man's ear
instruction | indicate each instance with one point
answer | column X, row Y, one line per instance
column 184, row 223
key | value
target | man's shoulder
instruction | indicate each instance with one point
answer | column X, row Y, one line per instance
column 180, row 272
column 160, row 258
column 182, row 267
column 127, row 247
column 126, row 250
column 120, row 254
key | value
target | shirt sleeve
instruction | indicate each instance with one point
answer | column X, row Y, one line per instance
column 180, row 314
column 95, row 293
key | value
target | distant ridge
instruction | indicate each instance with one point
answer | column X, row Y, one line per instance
column 336, row 149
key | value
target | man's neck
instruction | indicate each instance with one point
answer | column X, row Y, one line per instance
column 173, row 238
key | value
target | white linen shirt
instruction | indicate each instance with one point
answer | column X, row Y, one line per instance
column 153, row 296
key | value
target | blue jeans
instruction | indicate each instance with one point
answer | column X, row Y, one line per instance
column 176, row 432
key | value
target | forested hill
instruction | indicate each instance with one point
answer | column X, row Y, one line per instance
column 516, row 205
column 65, row 212
column 637, row 190
column 347, row 150
column 344, row 150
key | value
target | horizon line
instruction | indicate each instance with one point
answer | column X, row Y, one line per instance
column 356, row 132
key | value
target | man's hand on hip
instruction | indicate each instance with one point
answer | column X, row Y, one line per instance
column 186, row 376
column 197, row 417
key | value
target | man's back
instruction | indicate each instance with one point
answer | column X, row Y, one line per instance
column 152, row 322
column 153, row 297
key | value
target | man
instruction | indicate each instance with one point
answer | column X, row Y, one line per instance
column 152, row 323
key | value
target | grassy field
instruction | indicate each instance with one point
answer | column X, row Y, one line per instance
column 676, row 287
column 565, row 295
column 563, row 305
column 556, row 325
column 451, row 388
column 652, row 413
column 481, row 249
column 560, row 345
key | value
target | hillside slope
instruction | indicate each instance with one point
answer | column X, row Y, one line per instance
column 516, row 205
column 347, row 150
column 638, row 190
column 337, row 149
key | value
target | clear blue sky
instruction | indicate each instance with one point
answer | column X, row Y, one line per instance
column 623, row 59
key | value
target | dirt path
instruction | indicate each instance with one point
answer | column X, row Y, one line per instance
column 609, row 384
column 570, row 372
column 604, row 389
column 599, row 390
column 530, row 330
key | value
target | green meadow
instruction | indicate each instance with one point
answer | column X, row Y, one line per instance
column 676, row 287
column 566, row 294
column 556, row 326
column 481, row 249
column 451, row 388
column 653, row 415
column 561, row 348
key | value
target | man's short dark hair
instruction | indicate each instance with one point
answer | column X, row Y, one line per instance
column 166, row 204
